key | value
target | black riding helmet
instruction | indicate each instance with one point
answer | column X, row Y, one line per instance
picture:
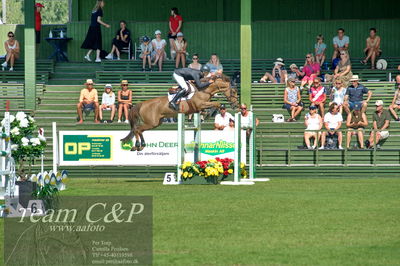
column 205, row 68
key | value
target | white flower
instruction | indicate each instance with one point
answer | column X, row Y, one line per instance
column 31, row 119
column 24, row 123
column 42, row 138
column 25, row 141
column 34, row 141
column 20, row 116
column 15, row 131
column 14, row 147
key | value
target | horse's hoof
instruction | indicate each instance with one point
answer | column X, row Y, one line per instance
column 133, row 148
column 140, row 148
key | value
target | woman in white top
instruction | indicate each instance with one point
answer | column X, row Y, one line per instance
column 158, row 49
column 312, row 121
column 195, row 64
column 337, row 94
column 12, row 49
column 179, row 50
column 107, row 103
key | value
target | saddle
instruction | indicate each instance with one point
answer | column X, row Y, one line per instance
column 175, row 89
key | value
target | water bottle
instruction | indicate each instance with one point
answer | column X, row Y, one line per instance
column 50, row 34
column 61, row 34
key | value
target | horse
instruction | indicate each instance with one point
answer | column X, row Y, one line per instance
column 149, row 114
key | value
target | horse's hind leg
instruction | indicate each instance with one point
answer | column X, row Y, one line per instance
column 142, row 142
column 143, row 128
column 137, row 143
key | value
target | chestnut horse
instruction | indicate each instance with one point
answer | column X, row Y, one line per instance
column 149, row 114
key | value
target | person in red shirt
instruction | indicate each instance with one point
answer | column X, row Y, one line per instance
column 317, row 95
column 175, row 26
column 38, row 20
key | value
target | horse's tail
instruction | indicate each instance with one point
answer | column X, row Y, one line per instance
column 134, row 118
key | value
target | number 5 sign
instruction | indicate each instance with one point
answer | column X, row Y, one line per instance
column 170, row 179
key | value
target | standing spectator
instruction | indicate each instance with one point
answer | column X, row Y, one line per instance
column 380, row 125
column 215, row 65
column 356, row 122
column 313, row 122
column 179, row 50
column 317, row 95
column 310, row 71
column 195, row 63
column 38, row 25
column 222, row 119
column 158, row 50
column 320, row 48
column 337, row 94
column 88, row 99
column 175, row 26
column 121, row 40
column 107, row 103
column 340, row 43
column 342, row 70
column 93, row 40
column 354, row 96
column 146, row 49
column 332, row 122
column 278, row 73
column 396, row 101
column 246, row 121
column 372, row 48
column 124, row 101
column 12, row 50
column 292, row 100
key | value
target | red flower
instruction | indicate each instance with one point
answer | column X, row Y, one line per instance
column 226, row 173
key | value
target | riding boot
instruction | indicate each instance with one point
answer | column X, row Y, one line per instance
column 173, row 103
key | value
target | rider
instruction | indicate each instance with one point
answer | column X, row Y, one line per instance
column 181, row 75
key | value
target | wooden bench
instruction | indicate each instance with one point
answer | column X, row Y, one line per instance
column 19, row 77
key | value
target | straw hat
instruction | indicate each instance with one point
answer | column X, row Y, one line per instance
column 354, row 78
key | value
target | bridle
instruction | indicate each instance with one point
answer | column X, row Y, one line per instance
column 231, row 98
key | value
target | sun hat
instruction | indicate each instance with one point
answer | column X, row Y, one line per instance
column 108, row 86
column 89, row 81
column 180, row 34
column 381, row 64
column 279, row 61
column 379, row 103
column 354, row 78
column 124, row 81
column 157, row 32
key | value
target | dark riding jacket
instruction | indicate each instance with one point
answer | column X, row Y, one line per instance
column 192, row 74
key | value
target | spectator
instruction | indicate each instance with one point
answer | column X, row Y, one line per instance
column 124, row 101
column 246, row 121
column 179, row 50
column 396, row 101
column 320, row 48
column 310, row 71
column 292, row 100
column 380, row 125
column 107, row 103
column 356, row 122
column 231, row 126
column 354, row 96
column 215, row 65
column 313, row 123
column 88, row 99
column 146, row 49
column 222, row 119
column 342, row 70
column 372, row 48
column 38, row 22
column 195, row 63
column 12, row 51
column 332, row 122
column 278, row 72
column 294, row 73
column 158, row 49
column 337, row 94
column 175, row 26
column 340, row 43
column 317, row 95
column 121, row 40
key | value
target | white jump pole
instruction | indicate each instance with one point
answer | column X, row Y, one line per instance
column 55, row 147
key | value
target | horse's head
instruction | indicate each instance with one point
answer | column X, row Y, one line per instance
column 222, row 84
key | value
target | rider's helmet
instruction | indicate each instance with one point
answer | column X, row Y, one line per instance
column 205, row 68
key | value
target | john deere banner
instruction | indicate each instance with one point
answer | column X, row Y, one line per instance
column 105, row 148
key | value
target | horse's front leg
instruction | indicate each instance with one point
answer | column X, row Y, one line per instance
column 209, row 105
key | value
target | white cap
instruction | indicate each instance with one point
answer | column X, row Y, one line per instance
column 89, row 81
column 157, row 32
column 379, row 103
column 108, row 86
column 180, row 34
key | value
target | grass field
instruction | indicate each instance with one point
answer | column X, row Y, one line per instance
column 284, row 221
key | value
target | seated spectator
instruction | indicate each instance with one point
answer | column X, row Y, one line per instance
column 340, row 43
column 342, row 70
column 337, row 94
column 313, row 123
column 124, row 101
column 396, row 101
column 158, row 50
column 88, row 99
column 373, row 48
column 310, row 71
column 195, row 63
column 215, row 65
column 121, row 40
column 380, row 125
column 356, row 122
column 222, row 119
column 294, row 73
column 146, row 49
column 246, row 121
column 278, row 73
column 332, row 122
column 231, row 126
column 12, row 51
column 179, row 50
column 107, row 103
column 317, row 95
column 320, row 48
column 292, row 100
column 354, row 96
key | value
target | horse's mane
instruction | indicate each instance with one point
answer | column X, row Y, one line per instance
column 223, row 77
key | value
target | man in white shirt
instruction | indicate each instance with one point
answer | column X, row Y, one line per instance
column 332, row 122
column 222, row 119
column 340, row 43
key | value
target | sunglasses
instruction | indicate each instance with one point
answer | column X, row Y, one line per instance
column 316, row 82
column 10, row 36
column 243, row 108
column 195, row 58
column 308, row 56
column 342, row 54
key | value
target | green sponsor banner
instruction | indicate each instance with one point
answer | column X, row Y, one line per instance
column 86, row 147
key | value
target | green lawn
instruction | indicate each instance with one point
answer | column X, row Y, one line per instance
column 284, row 221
